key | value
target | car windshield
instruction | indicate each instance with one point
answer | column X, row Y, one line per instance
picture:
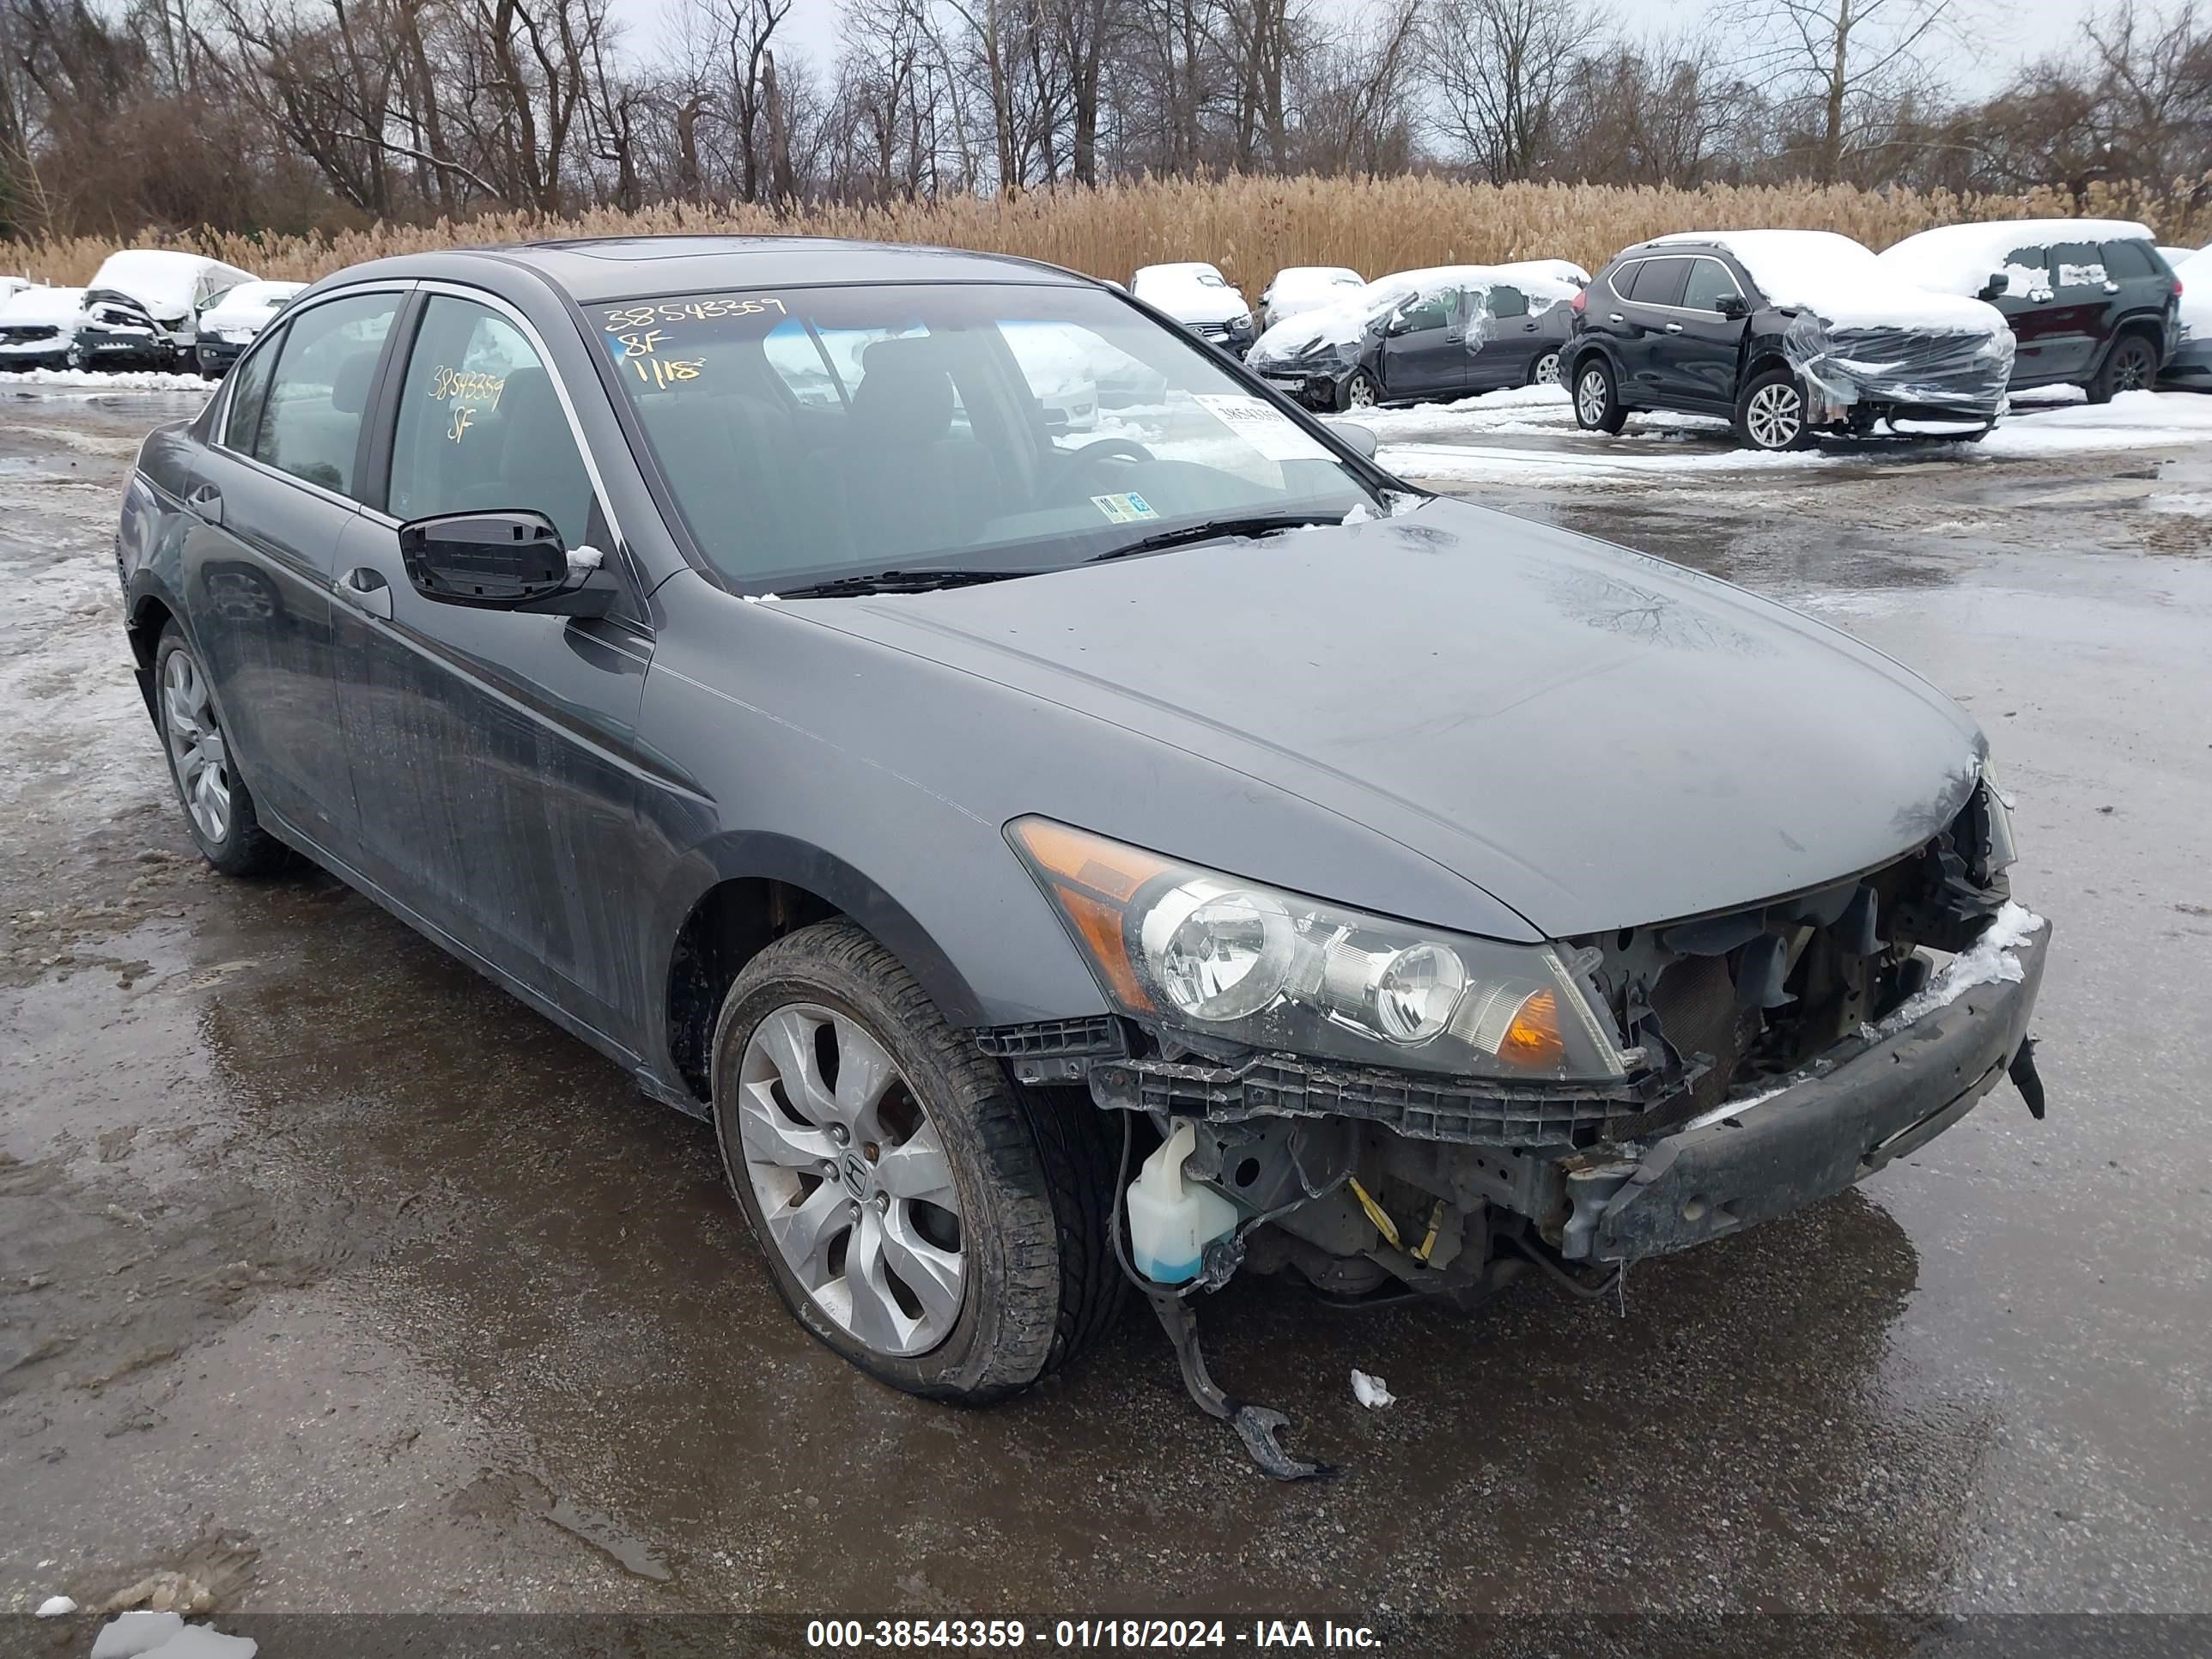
column 807, row 434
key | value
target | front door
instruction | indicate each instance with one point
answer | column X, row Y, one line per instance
column 1696, row 364
column 494, row 753
column 271, row 494
column 1425, row 346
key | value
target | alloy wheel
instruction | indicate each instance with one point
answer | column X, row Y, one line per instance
column 196, row 745
column 1361, row 392
column 1775, row 416
column 2130, row 367
column 1590, row 393
column 852, row 1178
column 1547, row 370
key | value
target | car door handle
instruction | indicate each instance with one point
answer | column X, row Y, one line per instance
column 1673, row 328
column 205, row 501
column 367, row 591
column 1615, row 317
column 2112, row 288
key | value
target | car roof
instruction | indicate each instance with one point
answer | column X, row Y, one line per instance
column 596, row 269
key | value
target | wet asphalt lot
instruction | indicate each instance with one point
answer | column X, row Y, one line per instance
column 331, row 1275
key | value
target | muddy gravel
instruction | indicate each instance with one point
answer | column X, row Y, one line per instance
column 332, row 1278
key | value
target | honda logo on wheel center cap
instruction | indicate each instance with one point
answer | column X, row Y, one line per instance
column 857, row 1175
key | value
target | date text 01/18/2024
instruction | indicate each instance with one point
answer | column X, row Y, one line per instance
column 1168, row 1635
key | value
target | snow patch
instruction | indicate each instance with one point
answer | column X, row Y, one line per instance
column 129, row 1634
column 1844, row 282
column 1960, row 259
column 1989, row 960
column 86, row 380
column 55, row 1606
column 1369, row 1390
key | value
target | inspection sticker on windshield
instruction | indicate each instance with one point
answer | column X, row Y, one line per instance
column 1124, row 509
column 1263, row 426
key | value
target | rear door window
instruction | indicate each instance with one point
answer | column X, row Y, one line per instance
column 1508, row 302
column 309, row 423
column 1661, row 282
column 2077, row 269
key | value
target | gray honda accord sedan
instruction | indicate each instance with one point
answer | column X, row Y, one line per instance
column 1060, row 858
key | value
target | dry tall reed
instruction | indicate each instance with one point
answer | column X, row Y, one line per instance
column 1250, row 227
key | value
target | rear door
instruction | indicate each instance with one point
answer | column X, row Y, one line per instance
column 2141, row 285
column 495, row 753
column 270, row 497
column 2082, row 294
column 1654, row 300
column 1507, row 336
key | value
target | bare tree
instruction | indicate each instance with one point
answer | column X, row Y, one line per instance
column 1497, row 69
column 1836, row 68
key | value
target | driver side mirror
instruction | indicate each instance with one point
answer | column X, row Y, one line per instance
column 1998, row 283
column 1356, row 437
column 1732, row 305
column 510, row 561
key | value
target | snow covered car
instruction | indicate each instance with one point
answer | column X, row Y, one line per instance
column 1450, row 332
column 1306, row 288
column 2091, row 302
column 38, row 328
column 2190, row 364
column 235, row 320
column 954, row 817
column 1198, row 296
column 157, row 296
column 1791, row 334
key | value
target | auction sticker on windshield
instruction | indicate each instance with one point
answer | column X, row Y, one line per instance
column 1264, row 427
column 1125, row 509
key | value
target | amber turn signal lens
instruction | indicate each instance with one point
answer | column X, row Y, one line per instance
column 1533, row 1038
column 1093, row 879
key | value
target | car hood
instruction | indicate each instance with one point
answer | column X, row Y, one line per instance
column 1197, row 303
column 1596, row 738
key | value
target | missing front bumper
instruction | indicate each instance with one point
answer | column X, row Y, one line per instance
column 1811, row 1140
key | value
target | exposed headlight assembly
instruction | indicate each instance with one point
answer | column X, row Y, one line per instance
column 1210, row 954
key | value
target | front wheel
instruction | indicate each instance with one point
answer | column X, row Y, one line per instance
column 218, row 807
column 1597, row 399
column 2130, row 366
column 939, row 1230
column 1359, row 391
column 1770, row 414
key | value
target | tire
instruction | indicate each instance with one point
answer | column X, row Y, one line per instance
column 1597, row 398
column 1545, row 371
column 218, row 807
column 998, row 1237
column 73, row 359
column 1359, row 391
column 1770, row 412
column 2130, row 366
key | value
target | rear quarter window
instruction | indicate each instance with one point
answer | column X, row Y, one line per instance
column 2123, row 259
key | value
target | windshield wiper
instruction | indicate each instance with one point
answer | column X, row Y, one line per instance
column 1260, row 524
column 899, row 581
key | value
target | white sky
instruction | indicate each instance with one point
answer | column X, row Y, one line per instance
column 2001, row 35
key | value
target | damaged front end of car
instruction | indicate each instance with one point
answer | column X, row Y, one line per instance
column 1855, row 377
column 1394, row 1112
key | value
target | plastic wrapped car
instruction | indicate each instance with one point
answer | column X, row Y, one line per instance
column 1791, row 334
column 1447, row 332
column 170, row 288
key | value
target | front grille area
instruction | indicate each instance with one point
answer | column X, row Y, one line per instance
column 1423, row 1108
column 1700, row 1014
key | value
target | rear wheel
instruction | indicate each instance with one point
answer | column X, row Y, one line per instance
column 2130, row 366
column 1545, row 371
column 218, row 807
column 1770, row 412
column 1597, row 399
column 941, row 1229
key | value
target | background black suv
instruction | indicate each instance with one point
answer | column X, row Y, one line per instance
column 1791, row 334
column 2092, row 301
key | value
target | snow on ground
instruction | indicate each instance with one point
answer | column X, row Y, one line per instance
column 1455, row 442
column 86, row 380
